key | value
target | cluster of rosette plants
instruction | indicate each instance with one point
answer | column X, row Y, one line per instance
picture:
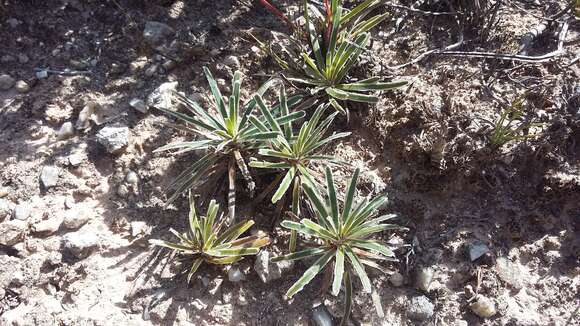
column 233, row 139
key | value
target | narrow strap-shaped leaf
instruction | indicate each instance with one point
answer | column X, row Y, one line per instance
column 362, row 231
column 229, row 252
column 249, row 107
column 234, row 231
column 253, row 241
column 223, row 260
column 380, row 86
column 194, row 267
column 347, row 299
column 366, row 25
column 356, row 11
column 218, row 99
column 171, row 245
column 334, row 31
column 338, row 271
column 350, row 192
column 299, row 227
column 188, row 119
column 267, row 114
column 195, row 108
column 375, row 246
column 333, row 201
column 270, row 165
column 290, row 117
column 189, row 145
column 351, row 96
column 321, row 231
column 337, row 106
column 284, row 185
column 315, row 199
column 314, row 147
column 301, row 254
column 313, row 36
column 360, row 270
column 284, row 110
column 310, row 274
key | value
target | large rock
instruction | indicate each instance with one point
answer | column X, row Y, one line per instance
column 424, row 277
column 321, row 316
column 114, row 137
column 6, row 82
column 81, row 243
column 22, row 211
column 48, row 226
column 156, row 33
column 11, row 232
column 511, row 273
column 420, row 308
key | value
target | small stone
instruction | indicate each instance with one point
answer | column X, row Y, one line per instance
column 139, row 105
column 236, row 275
column 22, row 86
column 232, row 61
column 132, row 178
column 11, row 232
column 13, row 22
column 420, row 308
column 321, row 316
column 88, row 113
column 114, row 137
column 215, row 285
column 42, row 74
column 81, row 243
column 510, row 273
column 75, row 159
column 69, row 202
column 397, row 279
column 7, row 59
column 23, row 58
column 123, row 191
column 6, row 82
column 75, row 218
column 5, row 209
column 483, row 307
column 66, row 131
column 476, row 250
column 22, row 211
column 269, row 271
column 49, row 176
column 156, row 33
column 424, row 279
column 162, row 96
column 48, row 227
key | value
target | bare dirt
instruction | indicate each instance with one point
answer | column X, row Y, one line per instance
column 75, row 251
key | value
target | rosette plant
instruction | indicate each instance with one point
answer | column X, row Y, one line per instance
column 205, row 241
column 294, row 152
column 224, row 134
column 322, row 53
column 342, row 237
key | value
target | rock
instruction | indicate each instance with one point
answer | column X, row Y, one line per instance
column 66, row 131
column 509, row 272
column 11, row 232
column 232, row 61
column 90, row 112
column 22, row 86
column 151, row 70
column 5, row 209
column 13, row 22
column 168, row 65
column 267, row 270
column 397, row 279
column 75, row 159
column 156, row 33
column 236, row 275
column 424, row 279
column 49, row 176
column 483, row 307
column 41, row 74
column 321, row 316
column 113, row 137
column 23, row 58
column 58, row 114
column 49, row 226
column 162, row 96
column 123, row 191
column 420, row 308
column 22, row 211
column 6, row 82
column 476, row 250
column 132, row 178
column 69, row 202
column 139, row 105
column 75, row 218
column 80, row 243
column 7, row 59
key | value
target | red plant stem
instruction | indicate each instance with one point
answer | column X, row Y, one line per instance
column 328, row 23
column 271, row 8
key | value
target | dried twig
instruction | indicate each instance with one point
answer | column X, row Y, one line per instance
column 422, row 12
